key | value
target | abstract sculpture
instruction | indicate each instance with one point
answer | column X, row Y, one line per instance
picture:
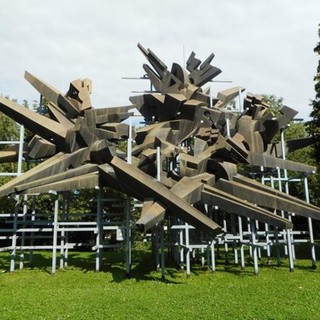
column 200, row 144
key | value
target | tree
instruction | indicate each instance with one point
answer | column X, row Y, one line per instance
column 275, row 103
column 314, row 124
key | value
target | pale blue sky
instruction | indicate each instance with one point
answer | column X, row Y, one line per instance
column 264, row 46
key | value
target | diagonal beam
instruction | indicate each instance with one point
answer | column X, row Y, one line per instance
column 268, row 200
column 52, row 94
column 283, row 200
column 137, row 182
column 38, row 124
column 56, row 164
column 268, row 161
column 71, row 173
column 86, row 181
column 224, row 200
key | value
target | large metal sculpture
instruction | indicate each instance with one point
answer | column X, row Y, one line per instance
column 200, row 143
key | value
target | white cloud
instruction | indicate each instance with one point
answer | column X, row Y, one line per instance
column 265, row 46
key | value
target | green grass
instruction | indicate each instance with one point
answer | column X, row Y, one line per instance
column 80, row 293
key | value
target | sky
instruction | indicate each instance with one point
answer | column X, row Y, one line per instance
column 263, row 46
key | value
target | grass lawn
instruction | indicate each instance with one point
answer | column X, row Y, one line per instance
column 81, row 293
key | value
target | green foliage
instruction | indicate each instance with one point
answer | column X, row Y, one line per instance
column 275, row 103
column 297, row 131
column 9, row 130
column 229, row 293
column 314, row 124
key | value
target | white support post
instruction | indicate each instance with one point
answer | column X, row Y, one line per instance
column 249, row 231
column 128, row 208
column 213, row 258
column 14, row 235
column 33, row 218
column 15, row 221
column 282, row 212
column 313, row 249
column 162, row 257
column 228, row 127
column 266, row 226
column 241, row 242
column 20, row 154
column 155, row 243
column 128, row 238
column 202, row 257
column 161, row 225
column 66, row 251
column 290, row 253
column 285, row 175
column 188, row 250
column 129, row 143
column 226, row 250
column 234, row 242
column 254, row 245
column 158, row 164
column 181, row 249
column 240, row 100
column 99, row 250
column 55, row 234
column 276, row 231
column 24, row 212
column 62, row 238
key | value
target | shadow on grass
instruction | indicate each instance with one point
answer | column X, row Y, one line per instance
column 143, row 267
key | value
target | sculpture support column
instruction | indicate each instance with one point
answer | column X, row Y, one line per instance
column 55, row 233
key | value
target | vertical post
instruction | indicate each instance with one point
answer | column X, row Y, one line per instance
column 162, row 251
column 33, row 218
column 158, row 164
column 66, row 238
column 202, row 257
column 254, row 245
column 285, row 174
column 276, row 232
column 129, row 142
column 55, row 233
column 228, row 127
column 188, row 249
column 155, row 247
column 24, row 212
column 276, row 237
column 266, row 226
column 313, row 250
column 14, row 235
column 234, row 241
column 62, row 239
column 99, row 250
column 181, row 249
column 290, row 253
column 226, row 250
column 128, row 238
column 241, row 243
column 20, row 154
column 249, row 231
column 161, row 225
column 282, row 212
column 213, row 258
column 240, row 100
column 128, row 213
column 15, row 221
